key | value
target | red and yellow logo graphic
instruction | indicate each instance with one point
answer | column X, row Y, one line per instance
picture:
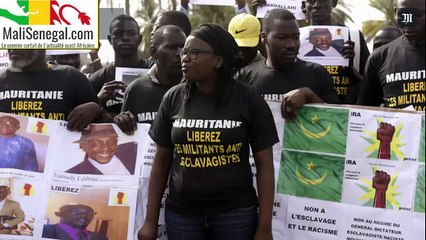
column 41, row 12
column 27, row 189
column 120, row 198
column 39, row 127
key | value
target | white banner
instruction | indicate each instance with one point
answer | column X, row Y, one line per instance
column 294, row 6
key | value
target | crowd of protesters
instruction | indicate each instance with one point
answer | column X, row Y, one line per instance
column 213, row 74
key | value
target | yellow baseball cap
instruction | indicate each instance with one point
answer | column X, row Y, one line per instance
column 245, row 29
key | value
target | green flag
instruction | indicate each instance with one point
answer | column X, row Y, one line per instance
column 419, row 203
column 317, row 129
column 422, row 141
column 311, row 175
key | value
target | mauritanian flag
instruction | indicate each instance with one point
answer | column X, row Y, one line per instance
column 311, row 175
column 317, row 129
column 38, row 12
column 422, row 141
column 419, row 202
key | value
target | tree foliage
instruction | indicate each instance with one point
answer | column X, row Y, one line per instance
column 371, row 27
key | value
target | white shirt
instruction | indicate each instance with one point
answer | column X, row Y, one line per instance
column 114, row 167
column 331, row 52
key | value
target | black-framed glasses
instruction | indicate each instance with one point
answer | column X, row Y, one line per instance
column 192, row 53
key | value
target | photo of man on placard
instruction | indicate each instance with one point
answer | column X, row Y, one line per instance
column 74, row 219
column 323, row 44
column 11, row 213
column 104, row 156
column 16, row 151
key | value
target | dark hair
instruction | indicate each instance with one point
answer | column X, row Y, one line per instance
column 158, row 36
column 224, row 45
column 122, row 17
column 176, row 18
column 276, row 13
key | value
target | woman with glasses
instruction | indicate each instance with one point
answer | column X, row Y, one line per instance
column 203, row 131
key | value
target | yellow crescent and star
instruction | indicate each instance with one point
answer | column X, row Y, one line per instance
column 311, row 166
column 310, row 134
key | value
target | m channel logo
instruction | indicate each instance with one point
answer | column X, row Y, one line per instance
column 49, row 24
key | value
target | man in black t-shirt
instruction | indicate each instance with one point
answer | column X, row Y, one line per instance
column 125, row 38
column 30, row 87
column 346, row 80
column 143, row 96
column 395, row 73
column 385, row 35
column 283, row 77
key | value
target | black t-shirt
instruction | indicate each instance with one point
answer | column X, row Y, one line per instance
column 143, row 97
column 273, row 84
column 107, row 74
column 395, row 76
column 51, row 93
column 210, row 171
column 346, row 83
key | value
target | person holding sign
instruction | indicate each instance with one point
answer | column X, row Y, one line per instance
column 203, row 130
column 125, row 38
column 346, row 79
column 33, row 88
column 11, row 213
column 321, row 39
column 103, row 154
column 284, row 77
column 16, row 151
column 73, row 224
column 143, row 96
column 395, row 73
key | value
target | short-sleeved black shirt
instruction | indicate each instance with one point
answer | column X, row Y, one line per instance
column 210, row 171
column 273, row 83
column 107, row 74
column 143, row 97
column 51, row 93
column 395, row 76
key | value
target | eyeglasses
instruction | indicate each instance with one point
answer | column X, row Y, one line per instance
column 192, row 53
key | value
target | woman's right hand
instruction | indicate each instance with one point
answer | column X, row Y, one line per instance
column 148, row 232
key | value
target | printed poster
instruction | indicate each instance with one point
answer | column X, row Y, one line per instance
column 18, row 211
column 311, row 175
column 213, row 2
column 422, row 141
column 317, row 129
column 419, row 199
column 24, row 145
column 323, row 45
column 379, row 184
column 373, row 223
column 294, row 6
column 316, row 220
column 128, row 75
column 106, row 212
column 100, row 155
column 384, row 135
column 4, row 59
